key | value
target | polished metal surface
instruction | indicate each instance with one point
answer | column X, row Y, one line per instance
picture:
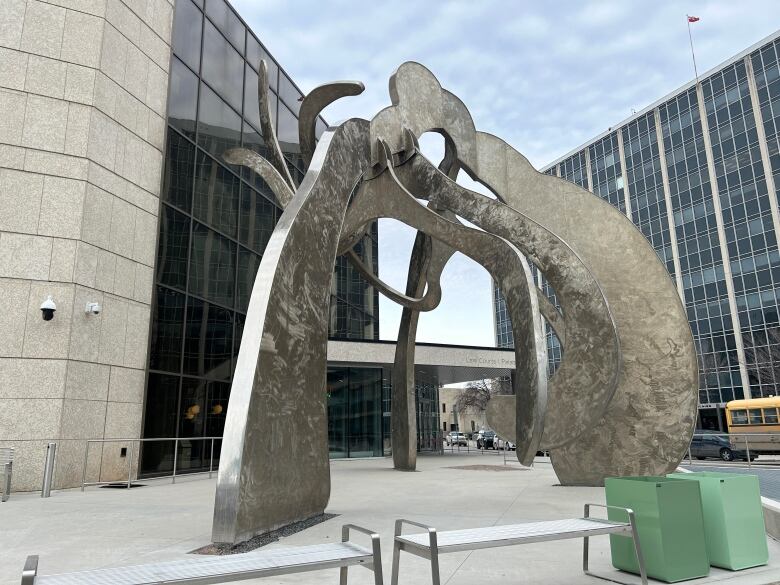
column 267, row 126
column 648, row 424
column 267, row 171
column 273, row 467
column 313, row 103
column 622, row 402
column 385, row 196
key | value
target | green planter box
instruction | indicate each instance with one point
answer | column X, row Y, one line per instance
column 670, row 525
column 733, row 519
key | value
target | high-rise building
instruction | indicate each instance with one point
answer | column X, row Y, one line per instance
column 698, row 172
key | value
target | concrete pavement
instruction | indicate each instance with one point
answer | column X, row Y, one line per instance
column 110, row 527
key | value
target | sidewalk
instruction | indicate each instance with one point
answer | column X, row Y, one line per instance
column 109, row 527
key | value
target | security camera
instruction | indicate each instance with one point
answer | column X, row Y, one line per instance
column 93, row 308
column 47, row 308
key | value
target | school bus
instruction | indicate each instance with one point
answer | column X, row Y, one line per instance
column 755, row 416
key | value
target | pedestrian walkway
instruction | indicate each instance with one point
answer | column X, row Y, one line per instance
column 163, row 521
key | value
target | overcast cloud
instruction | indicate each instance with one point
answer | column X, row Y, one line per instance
column 545, row 76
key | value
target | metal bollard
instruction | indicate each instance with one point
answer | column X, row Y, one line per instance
column 48, row 469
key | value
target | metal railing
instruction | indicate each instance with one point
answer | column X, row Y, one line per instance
column 732, row 447
column 132, row 442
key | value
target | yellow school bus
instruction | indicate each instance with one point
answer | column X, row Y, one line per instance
column 755, row 416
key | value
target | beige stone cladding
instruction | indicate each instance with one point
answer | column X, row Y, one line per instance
column 83, row 89
column 468, row 421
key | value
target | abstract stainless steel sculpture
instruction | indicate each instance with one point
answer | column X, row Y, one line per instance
column 623, row 400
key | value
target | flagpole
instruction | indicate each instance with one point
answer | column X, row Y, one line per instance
column 693, row 55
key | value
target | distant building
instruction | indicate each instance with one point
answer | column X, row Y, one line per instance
column 698, row 172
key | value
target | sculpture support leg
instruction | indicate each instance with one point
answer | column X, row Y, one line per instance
column 404, row 419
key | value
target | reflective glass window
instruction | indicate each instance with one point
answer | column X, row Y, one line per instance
column 223, row 67
column 182, row 98
column 226, row 20
column 289, row 93
column 208, row 346
column 258, row 219
column 194, row 452
column 162, row 402
column 254, row 53
column 179, row 171
column 187, row 29
column 217, row 193
column 219, row 127
column 216, row 408
column 247, row 270
column 287, row 130
column 212, row 265
column 167, row 324
column 173, row 245
column 770, row 416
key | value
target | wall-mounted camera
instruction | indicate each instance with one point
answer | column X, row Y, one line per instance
column 93, row 309
column 47, row 308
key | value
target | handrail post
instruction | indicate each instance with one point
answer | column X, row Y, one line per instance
column 48, row 469
column 130, row 466
column 175, row 456
column 84, row 471
column 211, row 459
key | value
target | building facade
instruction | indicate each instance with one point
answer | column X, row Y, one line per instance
column 215, row 220
column 115, row 202
column 698, row 173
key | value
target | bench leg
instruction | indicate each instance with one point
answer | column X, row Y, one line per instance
column 435, row 568
column 343, row 575
column 638, row 548
column 396, row 561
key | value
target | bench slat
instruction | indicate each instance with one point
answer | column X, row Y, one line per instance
column 509, row 534
column 209, row 570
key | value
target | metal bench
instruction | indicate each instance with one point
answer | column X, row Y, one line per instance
column 228, row 568
column 6, row 466
column 431, row 544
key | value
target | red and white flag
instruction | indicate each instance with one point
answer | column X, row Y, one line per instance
column 693, row 19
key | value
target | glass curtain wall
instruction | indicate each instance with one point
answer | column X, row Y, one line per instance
column 746, row 191
column 215, row 222
column 354, row 412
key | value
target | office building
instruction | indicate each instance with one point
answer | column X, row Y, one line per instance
column 698, row 173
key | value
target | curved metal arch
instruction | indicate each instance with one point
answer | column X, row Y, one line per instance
column 284, row 342
column 658, row 383
column 313, row 103
column 386, row 196
column 267, row 171
column 586, row 380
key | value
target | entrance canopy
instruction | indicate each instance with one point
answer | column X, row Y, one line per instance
column 442, row 364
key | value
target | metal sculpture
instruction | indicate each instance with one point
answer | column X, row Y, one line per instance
column 623, row 400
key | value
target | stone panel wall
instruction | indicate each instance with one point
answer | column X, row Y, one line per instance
column 83, row 89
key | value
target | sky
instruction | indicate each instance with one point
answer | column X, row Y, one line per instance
column 544, row 76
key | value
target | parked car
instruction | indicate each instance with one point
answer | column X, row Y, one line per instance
column 487, row 440
column 455, row 438
column 508, row 445
column 704, row 445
